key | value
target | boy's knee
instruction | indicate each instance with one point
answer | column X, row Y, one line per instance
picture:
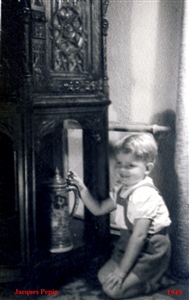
column 106, row 269
column 112, row 293
column 100, row 276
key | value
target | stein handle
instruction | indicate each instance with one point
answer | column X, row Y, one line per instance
column 74, row 189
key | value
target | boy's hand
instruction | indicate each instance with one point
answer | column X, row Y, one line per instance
column 115, row 278
column 76, row 180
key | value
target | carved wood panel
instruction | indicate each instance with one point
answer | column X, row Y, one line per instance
column 69, row 37
column 67, row 46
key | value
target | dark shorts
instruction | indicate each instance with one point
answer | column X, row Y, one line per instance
column 154, row 258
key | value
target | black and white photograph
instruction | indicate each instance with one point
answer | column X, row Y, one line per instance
column 94, row 149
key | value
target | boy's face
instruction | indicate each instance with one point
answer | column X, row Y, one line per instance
column 130, row 170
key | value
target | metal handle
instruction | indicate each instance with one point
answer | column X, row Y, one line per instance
column 74, row 189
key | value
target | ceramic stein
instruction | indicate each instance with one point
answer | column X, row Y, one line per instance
column 58, row 189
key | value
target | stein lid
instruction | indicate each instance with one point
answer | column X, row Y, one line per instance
column 56, row 180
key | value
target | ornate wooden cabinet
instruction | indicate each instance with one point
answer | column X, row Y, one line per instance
column 53, row 76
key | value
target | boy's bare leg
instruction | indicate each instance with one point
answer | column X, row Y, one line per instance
column 131, row 286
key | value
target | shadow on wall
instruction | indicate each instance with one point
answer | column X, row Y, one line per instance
column 164, row 174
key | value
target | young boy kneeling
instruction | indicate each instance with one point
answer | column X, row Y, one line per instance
column 141, row 257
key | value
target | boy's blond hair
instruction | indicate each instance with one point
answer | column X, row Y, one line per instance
column 142, row 145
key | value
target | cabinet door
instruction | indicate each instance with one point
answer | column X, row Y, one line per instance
column 9, row 213
column 11, row 206
column 67, row 52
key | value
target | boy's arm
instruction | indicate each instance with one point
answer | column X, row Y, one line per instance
column 133, row 249
column 135, row 244
column 96, row 207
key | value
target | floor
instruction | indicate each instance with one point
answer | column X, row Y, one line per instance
column 81, row 288
column 84, row 286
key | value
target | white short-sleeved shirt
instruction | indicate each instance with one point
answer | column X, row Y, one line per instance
column 144, row 202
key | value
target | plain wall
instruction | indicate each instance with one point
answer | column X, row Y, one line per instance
column 143, row 57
